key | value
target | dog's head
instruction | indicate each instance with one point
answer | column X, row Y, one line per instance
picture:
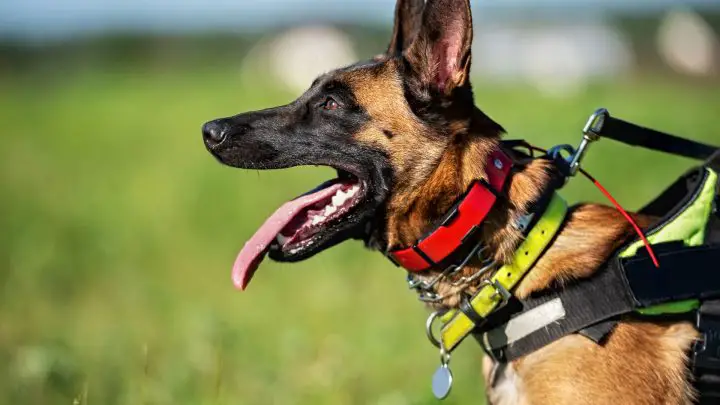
column 402, row 131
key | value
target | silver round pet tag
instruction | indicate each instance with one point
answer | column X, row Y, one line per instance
column 442, row 382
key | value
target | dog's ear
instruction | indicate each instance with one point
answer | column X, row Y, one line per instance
column 440, row 54
column 408, row 17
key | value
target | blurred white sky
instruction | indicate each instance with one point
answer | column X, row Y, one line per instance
column 60, row 18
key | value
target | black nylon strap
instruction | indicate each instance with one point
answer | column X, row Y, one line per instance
column 600, row 298
column 684, row 273
column 637, row 135
column 677, row 197
column 620, row 287
column 598, row 332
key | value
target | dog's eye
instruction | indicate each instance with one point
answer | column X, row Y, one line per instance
column 330, row 104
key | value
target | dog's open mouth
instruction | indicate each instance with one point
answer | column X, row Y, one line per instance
column 299, row 227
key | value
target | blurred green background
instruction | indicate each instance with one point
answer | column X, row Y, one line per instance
column 118, row 229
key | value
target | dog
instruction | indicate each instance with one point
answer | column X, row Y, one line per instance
column 404, row 134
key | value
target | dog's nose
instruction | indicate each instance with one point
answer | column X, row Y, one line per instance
column 214, row 132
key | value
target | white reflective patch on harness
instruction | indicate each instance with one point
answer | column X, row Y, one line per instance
column 525, row 324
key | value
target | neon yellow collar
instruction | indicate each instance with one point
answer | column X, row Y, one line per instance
column 457, row 324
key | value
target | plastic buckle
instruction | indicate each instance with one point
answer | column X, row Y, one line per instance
column 706, row 353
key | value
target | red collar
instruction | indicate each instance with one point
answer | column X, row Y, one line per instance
column 460, row 222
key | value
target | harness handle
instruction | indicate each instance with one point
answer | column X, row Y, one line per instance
column 636, row 135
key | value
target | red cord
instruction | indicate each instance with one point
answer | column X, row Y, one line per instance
column 619, row 208
column 625, row 214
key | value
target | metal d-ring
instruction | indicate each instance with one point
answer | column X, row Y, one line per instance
column 429, row 332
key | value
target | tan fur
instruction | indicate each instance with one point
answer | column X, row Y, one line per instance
column 641, row 363
column 381, row 95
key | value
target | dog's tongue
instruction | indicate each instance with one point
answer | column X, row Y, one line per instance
column 257, row 247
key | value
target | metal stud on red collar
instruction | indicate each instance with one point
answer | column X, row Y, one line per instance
column 465, row 217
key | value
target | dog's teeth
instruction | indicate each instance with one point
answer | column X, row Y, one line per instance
column 317, row 219
column 281, row 238
column 330, row 209
column 339, row 199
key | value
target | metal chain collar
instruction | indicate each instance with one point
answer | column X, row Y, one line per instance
column 426, row 288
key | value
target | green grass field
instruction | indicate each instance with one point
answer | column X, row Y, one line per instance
column 119, row 231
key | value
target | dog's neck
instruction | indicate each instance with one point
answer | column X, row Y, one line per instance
column 463, row 162
column 582, row 245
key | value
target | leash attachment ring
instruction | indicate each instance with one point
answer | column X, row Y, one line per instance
column 429, row 331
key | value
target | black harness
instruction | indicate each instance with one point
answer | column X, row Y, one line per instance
column 633, row 286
